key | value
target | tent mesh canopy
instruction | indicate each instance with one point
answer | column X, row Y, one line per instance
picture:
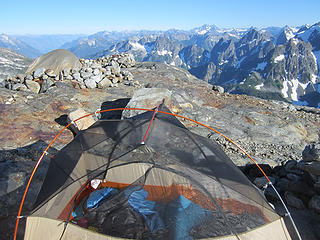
column 178, row 185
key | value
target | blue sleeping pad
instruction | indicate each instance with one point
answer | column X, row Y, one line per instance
column 182, row 215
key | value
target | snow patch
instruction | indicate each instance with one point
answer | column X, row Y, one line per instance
column 223, row 62
column 202, row 32
column 91, row 43
column 261, row 66
column 258, row 87
column 295, row 41
column 137, row 46
column 295, row 84
column 164, row 52
column 313, row 78
column 279, row 58
column 285, row 89
column 172, row 63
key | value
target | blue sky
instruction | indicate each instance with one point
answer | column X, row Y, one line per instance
column 90, row 16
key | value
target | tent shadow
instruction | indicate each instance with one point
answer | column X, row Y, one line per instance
column 119, row 103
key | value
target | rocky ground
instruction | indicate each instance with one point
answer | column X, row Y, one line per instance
column 274, row 133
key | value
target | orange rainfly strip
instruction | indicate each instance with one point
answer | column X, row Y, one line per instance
column 108, row 110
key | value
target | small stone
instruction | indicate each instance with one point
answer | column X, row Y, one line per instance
column 136, row 83
column 44, row 77
column 46, row 84
column 115, row 80
column 76, row 75
column 86, row 75
column 69, row 77
column 19, row 87
column 96, row 78
column 21, row 77
column 89, row 70
column 293, row 201
column 104, row 83
column 33, row 86
column 65, row 72
column 96, row 72
column 39, row 72
column 314, row 203
column 90, row 83
column 218, row 89
column 29, row 77
column 81, row 124
column 50, row 73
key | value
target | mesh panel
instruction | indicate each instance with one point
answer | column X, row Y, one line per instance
column 177, row 186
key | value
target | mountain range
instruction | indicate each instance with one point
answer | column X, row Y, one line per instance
column 273, row 63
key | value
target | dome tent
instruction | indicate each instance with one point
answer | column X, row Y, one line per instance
column 173, row 183
column 56, row 60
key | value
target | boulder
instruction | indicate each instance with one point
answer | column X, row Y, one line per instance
column 86, row 75
column 76, row 75
column 81, row 124
column 33, row 86
column 218, row 89
column 19, row 87
column 293, row 201
column 147, row 98
column 282, row 185
column 270, row 194
column 301, row 188
column 50, row 73
column 293, row 177
column 104, row 83
column 90, row 83
column 96, row 78
column 313, row 168
column 255, row 172
column 96, row 72
column 38, row 72
column 262, row 181
column 290, row 165
column 56, row 60
column 314, row 204
column 46, row 84
column 311, row 152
